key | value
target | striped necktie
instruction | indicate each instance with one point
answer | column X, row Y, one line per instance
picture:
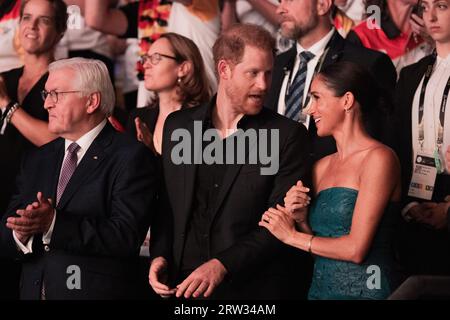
column 68, row 167
column 295, row 91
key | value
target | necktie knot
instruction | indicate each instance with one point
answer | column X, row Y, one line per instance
column 73, row 148
column 306, row 56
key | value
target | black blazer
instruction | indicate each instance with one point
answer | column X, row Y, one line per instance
column 377, row 63
column 101, row 219
column 258, row 264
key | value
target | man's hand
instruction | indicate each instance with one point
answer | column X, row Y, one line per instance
column 22, row 236
column 431, row 213
column 202, row 280
column 157, row 277
column 34, row 219
column 436, row 216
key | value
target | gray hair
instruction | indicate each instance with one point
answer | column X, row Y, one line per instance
column 92, row 76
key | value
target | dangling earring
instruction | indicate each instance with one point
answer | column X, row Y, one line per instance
column 347, row 110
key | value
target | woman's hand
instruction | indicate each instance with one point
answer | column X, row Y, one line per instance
column 143, row 134
column 297, row 201
column 418, row 27
column 279, row 222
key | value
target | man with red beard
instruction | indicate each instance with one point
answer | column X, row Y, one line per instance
column 210, row 245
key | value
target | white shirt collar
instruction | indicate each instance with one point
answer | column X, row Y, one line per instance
column 444, row 60
column 86, row 140
column 319, row 47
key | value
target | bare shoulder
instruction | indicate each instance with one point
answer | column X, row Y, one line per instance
column 320, row 167
column 381, row 157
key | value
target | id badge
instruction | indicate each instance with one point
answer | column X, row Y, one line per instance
column 424, row 178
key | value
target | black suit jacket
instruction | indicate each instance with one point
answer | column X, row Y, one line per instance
column 378, row 64
column 258, row 265
column 101, row 219
column 422, row 250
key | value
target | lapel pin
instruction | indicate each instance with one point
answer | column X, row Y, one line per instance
column 95, row 158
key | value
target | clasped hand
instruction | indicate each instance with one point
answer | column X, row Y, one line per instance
column 36, row 218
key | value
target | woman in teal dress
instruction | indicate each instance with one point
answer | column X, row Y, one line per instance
column 355, row 192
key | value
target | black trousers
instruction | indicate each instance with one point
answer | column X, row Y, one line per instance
column 9, row 279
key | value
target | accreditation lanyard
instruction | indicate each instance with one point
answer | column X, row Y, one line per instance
column 440, row 135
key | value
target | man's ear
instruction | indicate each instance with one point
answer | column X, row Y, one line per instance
column 324, row 7
column 224, row 69
column 93, row 102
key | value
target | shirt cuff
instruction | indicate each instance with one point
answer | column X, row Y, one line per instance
column 47, row 237
column 25, row 249
column 405, row 210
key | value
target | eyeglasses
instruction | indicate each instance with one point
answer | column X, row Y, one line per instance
column 54, row 95
column 155, row 58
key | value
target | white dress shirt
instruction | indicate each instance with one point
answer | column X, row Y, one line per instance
column 317, row 49
column 84, row 142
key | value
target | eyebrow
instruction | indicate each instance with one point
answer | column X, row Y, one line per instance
column 30, row 14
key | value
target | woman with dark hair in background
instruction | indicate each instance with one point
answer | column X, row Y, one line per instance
column 23, row 122
column 352, row 215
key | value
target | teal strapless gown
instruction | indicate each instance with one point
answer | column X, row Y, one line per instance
column 331, row 216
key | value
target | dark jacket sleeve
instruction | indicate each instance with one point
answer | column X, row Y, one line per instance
column 352, row 36
column 8, row 247
column 260, row 245
column 162, row 228
column 123, row 230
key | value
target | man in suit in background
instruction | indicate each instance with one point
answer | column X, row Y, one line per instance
column 319, row 45
column 84, row 201
column 211, row 244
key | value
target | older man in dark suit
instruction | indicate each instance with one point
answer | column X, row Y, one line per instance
column 211, row 244
column 318, row 45
column 84, row 201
